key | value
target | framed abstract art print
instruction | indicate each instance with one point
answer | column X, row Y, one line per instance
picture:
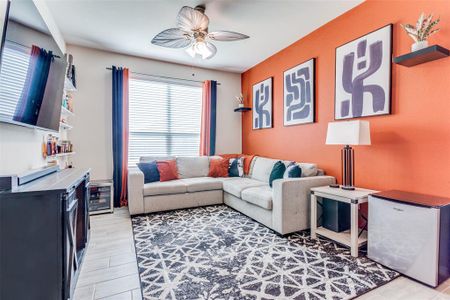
column 363, row 76
column 262, row 104
column 298, row 94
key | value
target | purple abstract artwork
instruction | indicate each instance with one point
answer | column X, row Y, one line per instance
column 263, row 115
column 363, row 76
column 299, row 94
column 262, row 104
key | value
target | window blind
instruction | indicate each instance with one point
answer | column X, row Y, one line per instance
column 164, row 119
column 13, row 74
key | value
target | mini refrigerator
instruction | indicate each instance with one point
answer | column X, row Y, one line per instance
column 410, row 233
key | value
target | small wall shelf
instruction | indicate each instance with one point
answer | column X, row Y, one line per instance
column 65, row 126
column 242, row 109
column 66, row 111
column 68, row 85
column 61, row 154
column 422, row 56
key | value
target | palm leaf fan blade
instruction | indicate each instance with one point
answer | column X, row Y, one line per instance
column 172, row 38
column 226, row 36
column 190, row 19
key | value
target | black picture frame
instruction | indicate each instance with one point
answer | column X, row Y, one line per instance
column 389, row 108
column 271, row 103
column 314, row 119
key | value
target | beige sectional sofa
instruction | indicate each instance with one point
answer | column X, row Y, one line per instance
column 283, row 208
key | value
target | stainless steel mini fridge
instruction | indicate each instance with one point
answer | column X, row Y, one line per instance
column 410, row 234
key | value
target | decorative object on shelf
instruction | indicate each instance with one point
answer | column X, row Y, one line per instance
column 299, row 93
column 425, row 27
column 363, row 76
column 422, row 56
column 348, row 133
column 70, row 74
column 240, row 100
column 192, row 33
column 262, row 104
column 52, row 146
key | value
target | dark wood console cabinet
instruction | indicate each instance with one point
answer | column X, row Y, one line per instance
column 44, row 232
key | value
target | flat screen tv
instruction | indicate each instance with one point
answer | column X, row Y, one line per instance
column 32, row 70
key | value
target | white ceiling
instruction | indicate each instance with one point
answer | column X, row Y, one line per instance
column 128, row 26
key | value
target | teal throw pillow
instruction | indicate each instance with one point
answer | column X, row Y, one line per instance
column 277, row 171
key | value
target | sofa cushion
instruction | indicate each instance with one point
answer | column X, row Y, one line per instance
column 247, row 163
column 262, row 167
column 236, row 167
column 200, row 184
column 193, row 166
column 277, row 172
column 308, row 169
column 260, row 196
column 167, row 170
column 292, row 171
column 235, row 185
column 218, row 167
column 150, row 170
column 165, row 187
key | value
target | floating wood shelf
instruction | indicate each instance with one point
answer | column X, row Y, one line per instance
column 422, row 56
column 61, row 154
column 242, row 109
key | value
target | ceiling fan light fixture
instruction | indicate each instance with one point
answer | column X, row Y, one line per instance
column 190, row 50
column 199, row 49
column 192, row 32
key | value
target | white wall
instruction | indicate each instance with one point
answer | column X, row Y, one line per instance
column 92, row 131
column 20, row 147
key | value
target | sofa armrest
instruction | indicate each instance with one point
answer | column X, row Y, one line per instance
column 291, row 202
column 135, row 191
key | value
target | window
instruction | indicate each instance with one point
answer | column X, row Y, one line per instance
column 13, row 74
column 164, row 118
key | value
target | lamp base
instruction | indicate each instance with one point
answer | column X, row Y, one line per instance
column 334, row 186
column 348, row 188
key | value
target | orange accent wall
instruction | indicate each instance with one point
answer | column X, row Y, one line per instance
column 410, row 148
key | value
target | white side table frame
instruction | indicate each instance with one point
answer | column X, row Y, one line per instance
column 350, row 237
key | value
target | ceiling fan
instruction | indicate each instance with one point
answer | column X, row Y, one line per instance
column 192, row 33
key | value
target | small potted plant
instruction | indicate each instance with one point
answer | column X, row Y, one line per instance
column 424, row 28
column 240, row 100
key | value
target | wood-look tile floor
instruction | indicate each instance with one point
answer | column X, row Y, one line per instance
column 110, row 269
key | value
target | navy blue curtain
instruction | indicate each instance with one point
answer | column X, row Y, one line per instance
column 212, row 149
column 117, row 131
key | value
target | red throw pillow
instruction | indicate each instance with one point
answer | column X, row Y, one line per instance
column 218, row 167
column 167, row 170
column 247, row 162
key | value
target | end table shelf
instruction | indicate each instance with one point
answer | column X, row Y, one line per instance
column 351, row 238
column 343, row 237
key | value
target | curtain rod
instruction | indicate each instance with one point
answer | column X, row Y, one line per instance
column 28, row 47
column 165, row 77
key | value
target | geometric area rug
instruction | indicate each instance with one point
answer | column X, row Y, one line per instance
column 215, row 252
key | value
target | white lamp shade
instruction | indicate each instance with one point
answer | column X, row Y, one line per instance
column 348, row 133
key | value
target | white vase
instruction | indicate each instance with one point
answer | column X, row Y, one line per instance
column 419, row 45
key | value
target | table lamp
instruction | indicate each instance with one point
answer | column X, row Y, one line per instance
column 348, row 133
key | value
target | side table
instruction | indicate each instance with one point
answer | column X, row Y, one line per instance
column 351, row 238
